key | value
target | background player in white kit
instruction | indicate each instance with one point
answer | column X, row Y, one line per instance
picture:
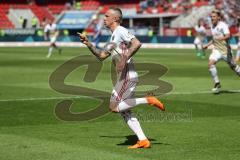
column 238, row 49
column 221, row 48
column 199, row 39
column 122, row 47
column 51, row 32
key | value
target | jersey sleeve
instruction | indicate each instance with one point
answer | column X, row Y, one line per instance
column 126, row 36
column 225, row 29
column 54, row 26
column 46, row 29
column 196, row 28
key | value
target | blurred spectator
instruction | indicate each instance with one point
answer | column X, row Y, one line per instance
column 34, row 22
column 21, row 20
column 171, row 6
column 143, row 4
column 229, row 9
column 68, row 6
column 150, row 31
column 78, row 5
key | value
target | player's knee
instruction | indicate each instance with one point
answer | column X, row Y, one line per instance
column 113, row 108
column 211, row 64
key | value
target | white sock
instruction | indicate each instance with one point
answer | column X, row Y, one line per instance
column 134, row 124
column 237, row 69
column 130, row 103
column 213, row 71
column 49, row 52
column 238, row 53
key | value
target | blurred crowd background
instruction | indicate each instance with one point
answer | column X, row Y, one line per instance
column 142, row 17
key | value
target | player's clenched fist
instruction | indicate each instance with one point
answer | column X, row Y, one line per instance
column 83, row 38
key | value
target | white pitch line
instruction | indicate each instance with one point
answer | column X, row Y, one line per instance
column 36, row 99
column 77, row 97
column 201, row 92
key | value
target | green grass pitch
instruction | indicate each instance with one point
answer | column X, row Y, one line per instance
column 197, row 125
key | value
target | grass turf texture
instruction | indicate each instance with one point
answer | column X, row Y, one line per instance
column 196, row 125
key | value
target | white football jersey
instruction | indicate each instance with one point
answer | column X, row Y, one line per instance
column 122, row 37
column 220, row 30
column 50, row 28
column 201, row 31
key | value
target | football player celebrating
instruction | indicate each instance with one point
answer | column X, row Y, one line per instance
column 198, row 41
column 221, row 48
column 123, row 45
column 51, row 31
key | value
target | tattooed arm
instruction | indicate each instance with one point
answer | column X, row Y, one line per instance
column 134, row 46
column 100, row 54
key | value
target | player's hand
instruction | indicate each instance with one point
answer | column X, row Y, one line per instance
column 122, row 63
column 205, row 46
column 218, row 38
column 83, row 38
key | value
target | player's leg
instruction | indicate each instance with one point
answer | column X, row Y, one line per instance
column 238, row 56
column 197, row 46
column 131, row 121
column 53, row 40
column 52, row 45
column 203, row 54
column 133, row 102
column 232, row 63
column 213, row 59
column 135, row 126
column 238, row 53
column 57, row 48
column 50, row 49
column 126, row 91
column 123, row 91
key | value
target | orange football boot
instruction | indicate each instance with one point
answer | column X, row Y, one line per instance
column 155, row 102
column 141, row 144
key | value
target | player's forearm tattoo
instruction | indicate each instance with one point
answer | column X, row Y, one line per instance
column 133, row 48
column 99, row 53
column 94, row 50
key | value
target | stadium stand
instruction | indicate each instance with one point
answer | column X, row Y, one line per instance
column 90, row 5
column 181, row 14
column 39, row 11
column 190, row 20
column 15, row 16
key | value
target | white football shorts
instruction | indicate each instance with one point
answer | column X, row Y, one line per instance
column 53, row 39
column 123, row 89
column 217, row 55
column 198, row 42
